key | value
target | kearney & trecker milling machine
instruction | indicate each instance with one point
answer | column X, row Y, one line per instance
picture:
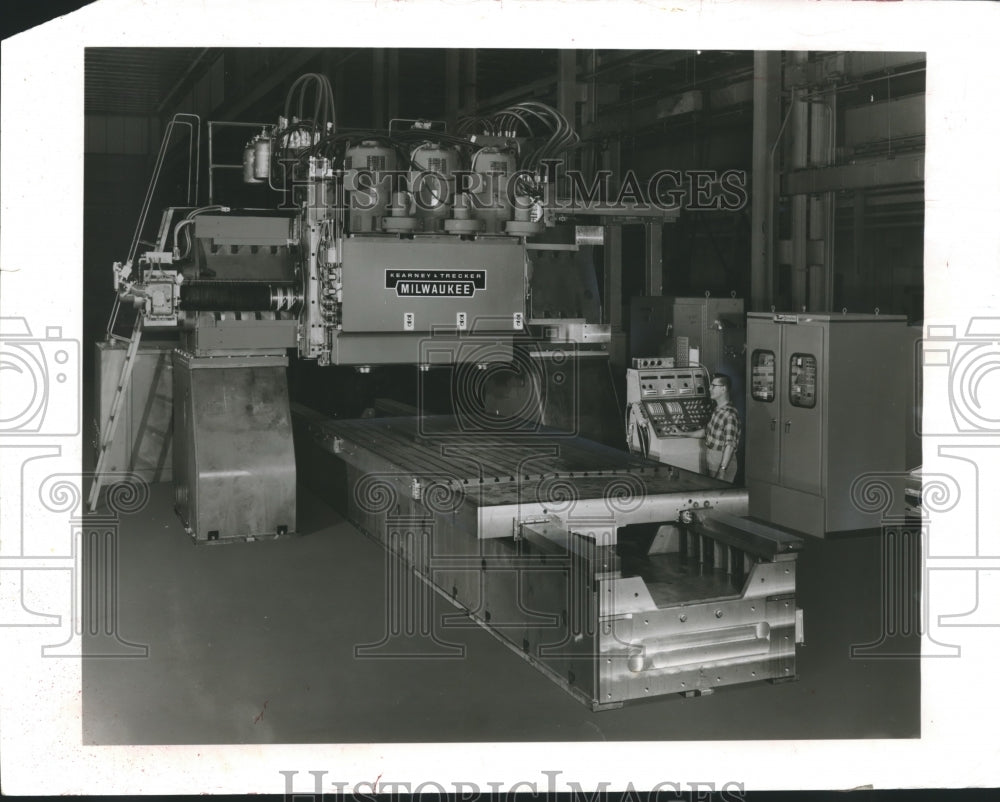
column 618, row 576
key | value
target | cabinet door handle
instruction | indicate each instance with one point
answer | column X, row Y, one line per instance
column 788, row 426
column 774, row 422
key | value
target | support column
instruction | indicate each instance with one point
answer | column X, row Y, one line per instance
column 339, row 79
column 799, row 158
column 327, row 63
column 822, row 207
column 452, row 87
column 653, row 284
column 469, row 92
column 566, row 90
column 766, row 122
column 588, row 112
column 858, row 247
column 378, row 88
column 566, row 93
column 612, row 291
column 392, row 84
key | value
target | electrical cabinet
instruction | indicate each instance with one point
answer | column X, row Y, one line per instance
column 715, row 326
column 651, row 317
column 827, row 402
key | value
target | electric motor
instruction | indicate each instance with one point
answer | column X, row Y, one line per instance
column 369, row 200
column 493, row 167
column 432, row 183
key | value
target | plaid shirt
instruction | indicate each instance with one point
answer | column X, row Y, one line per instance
column 723, row 428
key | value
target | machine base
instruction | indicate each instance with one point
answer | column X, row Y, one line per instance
column 234, row 462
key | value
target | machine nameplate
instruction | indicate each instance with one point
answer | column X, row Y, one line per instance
column 430, row 283
column 434, row 279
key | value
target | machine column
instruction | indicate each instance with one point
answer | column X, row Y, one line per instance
column 766, row 121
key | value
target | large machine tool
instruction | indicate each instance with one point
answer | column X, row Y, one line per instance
column 506, row 483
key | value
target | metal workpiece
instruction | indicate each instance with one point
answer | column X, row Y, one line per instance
column 233, row 456
column 645, row 498
column 686, row 621
column 617, row 577
column 743, row 534
column 691, row 649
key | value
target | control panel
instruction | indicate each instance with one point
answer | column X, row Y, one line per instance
column 669, row 417
column 664, row 402
column 643, row 363
column 674, row 399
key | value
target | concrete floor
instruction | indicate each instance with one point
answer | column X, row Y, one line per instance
column 254, row 643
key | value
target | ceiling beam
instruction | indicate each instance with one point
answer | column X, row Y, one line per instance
column 281, row 75
column 180, row 81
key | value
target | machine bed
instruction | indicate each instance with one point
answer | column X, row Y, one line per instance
column 618, row 577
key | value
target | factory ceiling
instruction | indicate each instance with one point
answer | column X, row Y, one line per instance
column 151, row 81
column 136, row 80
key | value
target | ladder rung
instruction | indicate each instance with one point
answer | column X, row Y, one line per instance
column 112, row 424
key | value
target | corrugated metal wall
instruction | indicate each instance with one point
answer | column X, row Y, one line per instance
column 118, row 133
column 126, row 88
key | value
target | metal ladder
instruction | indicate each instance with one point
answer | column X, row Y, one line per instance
column 112, row 423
